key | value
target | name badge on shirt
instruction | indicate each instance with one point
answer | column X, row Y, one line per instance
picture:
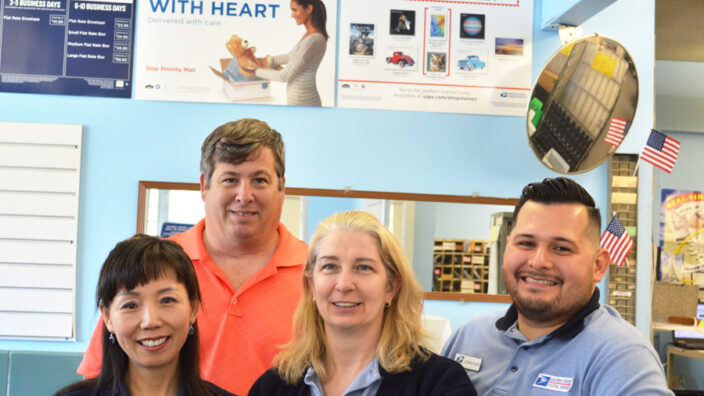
column 551, row 382
column 468, row 362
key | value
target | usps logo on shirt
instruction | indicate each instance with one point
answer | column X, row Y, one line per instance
column 551, row 382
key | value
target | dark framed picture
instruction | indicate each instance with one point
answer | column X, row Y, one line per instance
column 402, row 22
column 472, row 26
column 362, row 39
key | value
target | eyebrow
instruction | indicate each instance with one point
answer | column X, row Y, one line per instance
column 134, row 293
column 557, row 239
column 362, row 259
column 255, row 173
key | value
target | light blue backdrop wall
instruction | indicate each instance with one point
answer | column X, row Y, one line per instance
column 127, row 140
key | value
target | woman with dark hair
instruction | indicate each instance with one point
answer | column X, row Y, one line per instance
column 358, row 329
column 148, row 296
column 303, row 60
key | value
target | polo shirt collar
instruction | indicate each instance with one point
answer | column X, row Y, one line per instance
column 569, row 330
column 371, row 374
column 284, row 254
column 195, row 247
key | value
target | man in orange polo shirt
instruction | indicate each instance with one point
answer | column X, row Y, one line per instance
column 249, row 266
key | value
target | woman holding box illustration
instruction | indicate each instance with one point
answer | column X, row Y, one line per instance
column 301, row 64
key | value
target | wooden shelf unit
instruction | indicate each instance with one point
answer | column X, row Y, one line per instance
column 461, row 266
column 623, row 193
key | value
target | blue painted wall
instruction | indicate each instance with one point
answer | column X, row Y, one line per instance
column 320, row 208
column 127, row 140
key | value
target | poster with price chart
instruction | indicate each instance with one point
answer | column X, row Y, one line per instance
column 67, row 47
column 440, row 56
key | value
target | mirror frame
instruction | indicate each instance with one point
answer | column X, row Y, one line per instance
column 450, row 296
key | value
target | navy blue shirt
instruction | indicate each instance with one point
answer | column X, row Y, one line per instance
column 86, row 391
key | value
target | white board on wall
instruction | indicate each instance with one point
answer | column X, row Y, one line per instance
column 39, row 185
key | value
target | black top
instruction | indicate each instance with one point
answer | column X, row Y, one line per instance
column 433, row 377
column 122, row 391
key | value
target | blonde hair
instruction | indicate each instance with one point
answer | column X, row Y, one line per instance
column 402, row 339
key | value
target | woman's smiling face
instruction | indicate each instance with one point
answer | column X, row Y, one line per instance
column 350, row 282
column 151, row 321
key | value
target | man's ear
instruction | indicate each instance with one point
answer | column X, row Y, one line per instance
column 601, row 264
column 105, row 313
column 203, row 186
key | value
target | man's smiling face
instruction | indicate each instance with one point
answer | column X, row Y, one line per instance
column 550, row 266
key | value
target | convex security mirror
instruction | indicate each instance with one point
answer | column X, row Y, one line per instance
column 582, row 104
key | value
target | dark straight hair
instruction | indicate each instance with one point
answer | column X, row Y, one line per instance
column 559, row 190
column 319, row 15
column 131, row 263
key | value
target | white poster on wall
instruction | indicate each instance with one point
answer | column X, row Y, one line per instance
column 458, row 56
column 205, row 50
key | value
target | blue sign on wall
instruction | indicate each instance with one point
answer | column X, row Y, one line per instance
column 67, row 47
column 169, row 229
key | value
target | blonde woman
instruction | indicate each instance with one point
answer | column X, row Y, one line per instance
column 358, row 329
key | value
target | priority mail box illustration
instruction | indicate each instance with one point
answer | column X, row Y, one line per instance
column 238, row 87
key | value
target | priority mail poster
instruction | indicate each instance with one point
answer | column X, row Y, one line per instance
column 201, row 51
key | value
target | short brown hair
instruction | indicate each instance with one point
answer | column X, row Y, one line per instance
column 238, row 141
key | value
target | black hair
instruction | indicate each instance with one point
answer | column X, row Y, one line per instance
column 319, row 15
column 559, row 190
column 133, row 262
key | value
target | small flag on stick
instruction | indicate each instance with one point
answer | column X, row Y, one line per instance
column 616, row 240
column 661, row 151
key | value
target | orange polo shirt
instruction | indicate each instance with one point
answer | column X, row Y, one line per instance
column 240, row 330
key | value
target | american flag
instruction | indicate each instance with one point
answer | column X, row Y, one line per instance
column 616, row 129
column 616, row 240
column 661, row 151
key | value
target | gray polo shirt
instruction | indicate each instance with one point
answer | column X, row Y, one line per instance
column 595, row 353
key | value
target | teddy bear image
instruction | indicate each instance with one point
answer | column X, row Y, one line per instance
column 244, row 54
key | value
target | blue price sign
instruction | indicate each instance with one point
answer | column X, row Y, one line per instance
column 67, row 47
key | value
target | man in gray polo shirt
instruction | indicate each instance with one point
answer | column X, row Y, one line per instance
column 556, row 338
